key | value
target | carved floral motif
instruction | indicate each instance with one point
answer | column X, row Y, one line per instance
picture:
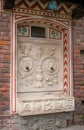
column 26, row 66
column 38, row 66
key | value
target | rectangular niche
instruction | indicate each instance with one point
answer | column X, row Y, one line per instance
column 42, row 81
column 82, row 58
column 38, row 32
column 82, row 54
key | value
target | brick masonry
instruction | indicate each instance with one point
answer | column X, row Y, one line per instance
column 41, row 122
column 78, row 60
column 4, row 62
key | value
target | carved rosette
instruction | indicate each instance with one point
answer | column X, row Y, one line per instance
column 26, row 67
column 50, row 66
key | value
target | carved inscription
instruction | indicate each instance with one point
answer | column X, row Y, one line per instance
column 47, row 106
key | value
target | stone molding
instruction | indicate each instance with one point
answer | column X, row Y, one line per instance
column 25, row 107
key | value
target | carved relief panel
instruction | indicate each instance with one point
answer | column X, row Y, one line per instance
column 40, row 66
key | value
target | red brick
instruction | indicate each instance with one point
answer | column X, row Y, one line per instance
column 1, row 112
column 81, row 71
column 4, row 42
column 7, row 56
column 6, row 47
column 6, row 103
column 77, row 66
column 82, row 87
column 3, row 89
column 6, row 94
column 6, row 85
column 1, row 65
column 7, row 75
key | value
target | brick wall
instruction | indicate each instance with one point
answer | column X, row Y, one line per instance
column 10, row 122
column 6, row 120
column 4, row 62
column 78, row 48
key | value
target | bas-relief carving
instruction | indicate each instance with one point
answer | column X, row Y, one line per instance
column 40, row 71
column 44, row 122
column 46, row 106
column 39, row 66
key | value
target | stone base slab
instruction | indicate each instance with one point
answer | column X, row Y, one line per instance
column 34, row 107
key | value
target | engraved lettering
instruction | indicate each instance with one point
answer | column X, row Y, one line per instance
column 27, row 107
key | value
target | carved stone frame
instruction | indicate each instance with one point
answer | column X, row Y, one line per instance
column 68, row 101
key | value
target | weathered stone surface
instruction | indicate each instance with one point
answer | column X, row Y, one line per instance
column 75, row 127
column 40, row 80
column 44, row 122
